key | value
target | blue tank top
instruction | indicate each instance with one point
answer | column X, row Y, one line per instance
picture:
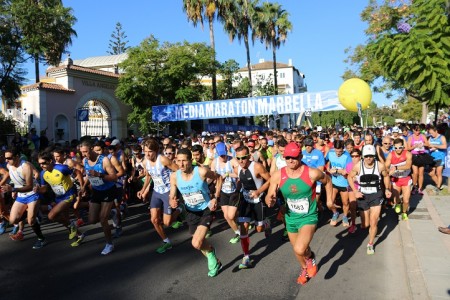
column 439, row 153
column 160, row 176
column 97, row 183
column 195, row 192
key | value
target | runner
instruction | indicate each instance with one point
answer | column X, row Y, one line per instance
column 252, row 176
column 102, row 177
column 159, row 168
column 225, row 166
column 369, row 174
column 58, row 178
column 191, row 182
column 399, row 164
column 416, row 144
column 356, row 157
column 337, row 161
column 24, row 190
column 297, row 183
column 438, row 149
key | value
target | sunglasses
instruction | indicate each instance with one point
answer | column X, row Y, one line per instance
column 241, row 157
column 386, row 143
column 165, row 145
column 169, row 153
column 9, row 158
column 43, row 163
column 291, row 157
column 354, row 156
column 136, row 153
column 369, row 156
column 399, row 148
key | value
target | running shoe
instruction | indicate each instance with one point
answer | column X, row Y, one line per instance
column 72, row 231
column 78, row 241
column 311, row 267
column 334, row 219
column 405, row 217
column 214, row 264
column 414, row 190
column 303, row 277
column 164, row 247
column 235, row 239
column 39, row 244
column 208, row 234
column 345, row 221
column 397, row 208
column 285, row 236
column 14, row 230
column 118, row 232
column 246, row 263
column 370, row 249
column 177, row 224
column 420, row 192
column 267, row 228
column 352, row 229
column 108, row 249
column 3, row 226
column 16, row 237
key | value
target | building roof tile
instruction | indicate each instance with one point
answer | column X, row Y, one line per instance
column 267, row 65
column 80, row 68
column 46, row 86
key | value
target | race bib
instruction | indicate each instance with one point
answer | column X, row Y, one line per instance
column 96, row 181
column 369, row 190
column 158, row 181
column 193, row 199
column 298, row 206
column 248, row 198
column 58, row 189
column 228, row 186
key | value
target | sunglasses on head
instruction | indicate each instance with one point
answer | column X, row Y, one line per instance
column 242, row 157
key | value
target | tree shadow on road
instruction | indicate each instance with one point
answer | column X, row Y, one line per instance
column 346, row 243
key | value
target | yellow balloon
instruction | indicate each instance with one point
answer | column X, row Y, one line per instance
column 352, row 91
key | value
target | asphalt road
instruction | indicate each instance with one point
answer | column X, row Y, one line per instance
column 135, row 271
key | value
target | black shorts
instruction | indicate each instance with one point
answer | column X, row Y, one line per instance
column 99, row 196
column 422, row 160
column 340, row 188
column 370, row 200
column 197, row 218
column 231, row 199
column 251, row 211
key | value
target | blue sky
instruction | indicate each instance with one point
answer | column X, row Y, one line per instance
column 322, row 30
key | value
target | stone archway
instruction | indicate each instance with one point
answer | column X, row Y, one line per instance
column 99, row 123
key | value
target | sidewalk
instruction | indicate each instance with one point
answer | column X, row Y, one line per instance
column 426, row 250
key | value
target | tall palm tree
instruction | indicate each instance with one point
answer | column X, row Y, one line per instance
column 273, row 28
column 197, row 11
column 238, row 21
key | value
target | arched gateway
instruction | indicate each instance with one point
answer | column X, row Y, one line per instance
column 84, row 88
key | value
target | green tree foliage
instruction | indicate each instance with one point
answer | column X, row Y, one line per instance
column 232, row 85
column 11, row 55
column 45, row 28
column 161, row 74
column 272, row 29
column 118, row 41
column 411, row 110
column 408, row 48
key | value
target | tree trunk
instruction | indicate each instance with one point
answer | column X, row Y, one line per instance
column 36, row 67
column 249, row 65
column 436, row 114
column 275, row 79
column 424, row 113
column 213, row 46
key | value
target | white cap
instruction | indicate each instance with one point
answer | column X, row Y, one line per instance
column 115, row 142
column 395, row 129
column 368, row 150
column 319, row 128
column 248, row 133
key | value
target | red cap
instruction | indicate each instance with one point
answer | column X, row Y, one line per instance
column 292, row 150
column 254, row 137
column 251, row 143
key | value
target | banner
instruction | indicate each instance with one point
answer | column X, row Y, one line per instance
column 248, row 107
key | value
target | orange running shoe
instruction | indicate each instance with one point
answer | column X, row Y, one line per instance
column 17, row 237
column 303, row 277
column 311, row 267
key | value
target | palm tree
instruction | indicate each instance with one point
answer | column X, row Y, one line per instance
column 197, row 11
column 238, row 21
column 46, row 29
column 272, row 29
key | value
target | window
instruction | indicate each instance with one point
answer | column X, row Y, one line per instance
column 282, row 75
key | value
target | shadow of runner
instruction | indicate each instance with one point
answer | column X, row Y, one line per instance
column 386, row 225
column 346, row 243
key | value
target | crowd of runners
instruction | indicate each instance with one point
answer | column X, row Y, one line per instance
column 247, row 175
